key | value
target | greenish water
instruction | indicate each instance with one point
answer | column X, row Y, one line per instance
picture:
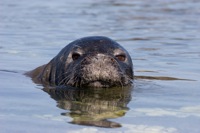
column 162, row 38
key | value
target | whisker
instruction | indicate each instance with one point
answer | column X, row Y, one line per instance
column 64, row 79
column 60, row 75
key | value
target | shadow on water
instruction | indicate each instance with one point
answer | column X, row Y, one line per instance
column 92, row 107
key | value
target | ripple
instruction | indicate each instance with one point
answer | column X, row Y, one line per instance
column 149, row 49
column 135, row 39
column 9, row 71
column 160, row 112
column 147, row 71
column 160, row 78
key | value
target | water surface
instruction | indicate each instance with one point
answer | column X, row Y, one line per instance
column 162, row 38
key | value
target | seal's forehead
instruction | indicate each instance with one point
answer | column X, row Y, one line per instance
column 101, row 44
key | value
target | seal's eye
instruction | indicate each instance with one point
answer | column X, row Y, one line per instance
column 121, row 57
column 75, row 56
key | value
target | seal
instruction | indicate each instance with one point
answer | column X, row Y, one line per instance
column 95, row 61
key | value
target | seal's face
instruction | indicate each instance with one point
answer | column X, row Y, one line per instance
column 96, row 62
column 89, row 62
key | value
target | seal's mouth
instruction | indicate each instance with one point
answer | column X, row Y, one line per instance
column 98, row 84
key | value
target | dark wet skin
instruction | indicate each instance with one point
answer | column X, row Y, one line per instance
column 87, row 62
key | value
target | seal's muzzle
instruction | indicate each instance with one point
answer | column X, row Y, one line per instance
column 100, row 70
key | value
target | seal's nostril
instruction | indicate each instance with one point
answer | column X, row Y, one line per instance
column 75, row 56
column 121, row 57
column 112, row 60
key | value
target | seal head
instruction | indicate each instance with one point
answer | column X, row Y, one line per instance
column 87, row 62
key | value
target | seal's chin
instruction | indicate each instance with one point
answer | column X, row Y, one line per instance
column 98, row 84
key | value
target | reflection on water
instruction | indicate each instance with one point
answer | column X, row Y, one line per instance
column 92, row 107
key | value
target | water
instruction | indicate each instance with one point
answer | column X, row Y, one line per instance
column 162, row 38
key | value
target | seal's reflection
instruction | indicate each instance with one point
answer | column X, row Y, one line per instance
column 92, row 107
